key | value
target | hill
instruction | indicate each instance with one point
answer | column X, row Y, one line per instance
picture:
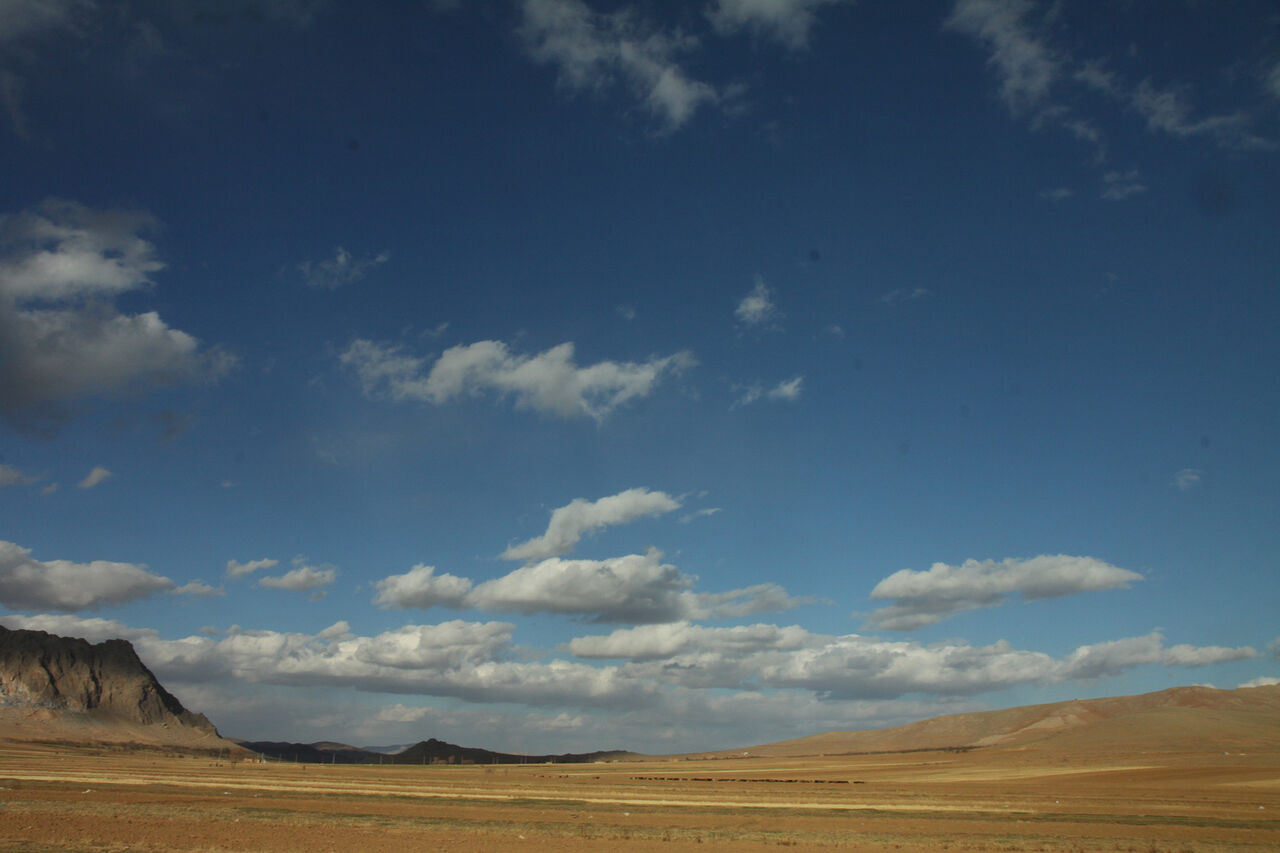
column 430, row 751
column 1177, row 719
column 65, row 689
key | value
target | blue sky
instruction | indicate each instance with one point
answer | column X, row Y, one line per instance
column 551, row 375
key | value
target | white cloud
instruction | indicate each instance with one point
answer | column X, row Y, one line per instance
column 580, row 516
column 421, row 587
column 1112, row 658
column 1026, row 64
column 1167, row 110
column 633, row 588
column 198, row 589
column 1271, row 81
column 67, row 586
column 549, row 382
column 712, row 680
column 1118, row 186
column 236, row 569
column 1057, row 194
column 61, row 265
column 301, row 578
column 1260, row 681
column 701, row 513
column 787, row 21
column 636, row 588
column 899, row 294
column 1187, row 479
column 661, row 642
column 10, row 476
column 786, row 390
column 342, row 269
column 95, row 477
column 758, row 657
column 63, row 250
column 757, row 307
column 20, row 18
column 592, row 51
column 927, row 597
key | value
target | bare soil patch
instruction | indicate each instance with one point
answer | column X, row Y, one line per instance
column 100, row 800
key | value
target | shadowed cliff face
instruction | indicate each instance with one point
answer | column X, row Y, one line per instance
column 40, row 670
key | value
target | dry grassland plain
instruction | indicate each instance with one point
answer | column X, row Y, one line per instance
column 1011, row 800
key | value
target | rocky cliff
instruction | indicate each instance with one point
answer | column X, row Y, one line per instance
column 45, row 671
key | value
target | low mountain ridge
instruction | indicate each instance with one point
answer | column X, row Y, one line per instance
column 431, row 751
column 1179, row 718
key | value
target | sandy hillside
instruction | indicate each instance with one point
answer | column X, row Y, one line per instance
column 1181, row 718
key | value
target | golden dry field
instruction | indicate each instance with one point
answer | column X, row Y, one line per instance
column 993, row 800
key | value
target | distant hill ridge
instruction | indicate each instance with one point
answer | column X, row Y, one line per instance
column 430, row 751
column 1180, row 718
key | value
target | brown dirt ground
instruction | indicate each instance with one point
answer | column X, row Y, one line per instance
column 79, row 799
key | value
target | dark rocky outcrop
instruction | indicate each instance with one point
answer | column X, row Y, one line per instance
column 424, row 752
column 44, row 671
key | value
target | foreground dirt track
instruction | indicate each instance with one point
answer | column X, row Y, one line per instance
column 67, row 799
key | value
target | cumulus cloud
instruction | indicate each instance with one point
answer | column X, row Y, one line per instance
column 787, row 21
column 301, row 578
column 710, row 677
column 1260, row 681
column 757, row 307
column 61, row 266
column 927, row 597
column 66, row 586
column 633, row 588
column 550, row 382
column 579, row 517
column 421, row 587
column 198, row 589
column 342, row 269
column 95, row 477
column 756, row 657
column 594, row 51
column 237, row 569
column 636, row 588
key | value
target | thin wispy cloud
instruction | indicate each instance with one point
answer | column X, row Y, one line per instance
column 94, row 478
column 340, row 270
column 788, row 390
column 596, row 51
column 1118, row 186
column 1046, row 82
column 789, row 22
column 549, row 382
column 1187, row 479
column 237, row 569
column 11, row 476
column 757, row 309
column 904, row 294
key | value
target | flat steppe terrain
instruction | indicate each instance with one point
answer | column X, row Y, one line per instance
column 997, row 799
